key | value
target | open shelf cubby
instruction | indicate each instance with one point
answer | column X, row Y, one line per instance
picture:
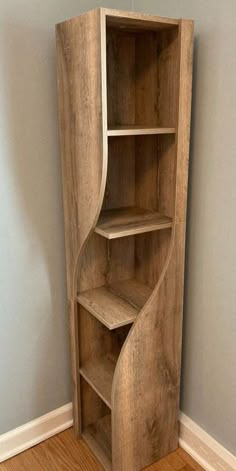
column 142, row 68
column 138, row 197
column 124, row 85
column 96, row 424
column 115, row 285
column 98, row 356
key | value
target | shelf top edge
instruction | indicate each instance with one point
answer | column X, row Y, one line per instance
column 135, row 131
column 130, row 16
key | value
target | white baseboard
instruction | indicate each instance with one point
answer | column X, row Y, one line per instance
column 34, row 432
column 202, row 447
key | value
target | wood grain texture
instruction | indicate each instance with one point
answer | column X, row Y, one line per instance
column 105, row 261
column 95, row 340
column 151, row 250
column 134, row 292
column 93, row 408
column 99, row 375
column 99, row 339
column 98, row 437
column 108, row 307
column 123, row 222
column 151, row 353
column 138, row 130
column 132, row 73
column 117, row 304
column 64, row 452
column 120, row 185
column 184, row 113
column 120, row 80
column 83, row 150
column 139, row 21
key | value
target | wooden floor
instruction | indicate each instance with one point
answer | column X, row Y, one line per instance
column 63, row 453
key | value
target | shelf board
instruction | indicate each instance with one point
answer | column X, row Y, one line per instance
column 99, row 375
column 138, row 130
column 98, row 437
column 122, row 222
column 117, row 304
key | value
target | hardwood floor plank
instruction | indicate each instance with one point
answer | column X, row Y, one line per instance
column 187, row 467
column 60, row 453
column 64, row 453
column 175, row 461
column 161, row 465
column 188, row 459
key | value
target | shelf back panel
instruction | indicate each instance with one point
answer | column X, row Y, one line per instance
column 142, row 78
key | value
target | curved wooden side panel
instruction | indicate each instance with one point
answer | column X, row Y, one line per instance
column 145, row 393
column 145, row 389
column 146, row 386
column 80, row 54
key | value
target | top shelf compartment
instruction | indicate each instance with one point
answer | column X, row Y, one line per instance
column 142, row 77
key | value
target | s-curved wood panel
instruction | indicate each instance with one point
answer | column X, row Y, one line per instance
column 133, row 71
column 146, row 385
column 83, row 151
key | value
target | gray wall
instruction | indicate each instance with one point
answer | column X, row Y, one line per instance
column 34, row 346
column 34, row 349
column 209, row 350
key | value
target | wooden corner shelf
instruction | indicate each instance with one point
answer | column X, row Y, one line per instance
column 117, row 304
column 138, row 130
column 124, row 87
column 123, row 222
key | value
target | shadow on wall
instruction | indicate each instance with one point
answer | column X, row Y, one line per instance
column 34, row 168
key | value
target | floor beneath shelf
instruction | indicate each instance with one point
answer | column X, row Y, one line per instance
column 63, row 453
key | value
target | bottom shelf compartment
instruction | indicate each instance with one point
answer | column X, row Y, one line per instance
column 96, row 425
column 98, row 437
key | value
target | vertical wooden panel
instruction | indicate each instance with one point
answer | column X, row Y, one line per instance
column 184, row 112
column 83, row 149
column 120, row 186
column 145, row 396
column 120, row 78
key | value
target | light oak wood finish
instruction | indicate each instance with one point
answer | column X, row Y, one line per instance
column 64, row 452
column 137, row 21
column 93, row 407
column 155, row 339
column 138, row 131
column 116, row 304
column 123, row 222
column 106, row 306
column 124, row 82
column 101, row 342
column 134, row 292
column 79, row 60
column 98, row 437
column 99, row 375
